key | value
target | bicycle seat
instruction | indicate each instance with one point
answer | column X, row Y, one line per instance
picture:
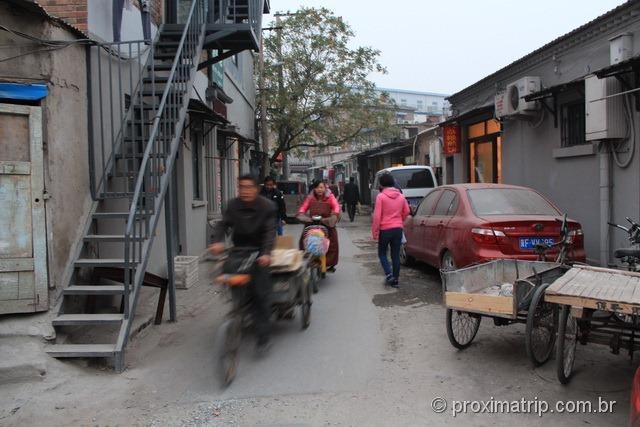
column 233, row 279
column 627, row 252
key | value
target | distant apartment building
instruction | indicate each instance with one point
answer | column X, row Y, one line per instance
column 417, row 107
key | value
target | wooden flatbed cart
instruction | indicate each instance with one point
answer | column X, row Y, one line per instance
column 596, row 305
column 508, row 291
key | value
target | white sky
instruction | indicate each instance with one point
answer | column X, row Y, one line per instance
column 444, row 46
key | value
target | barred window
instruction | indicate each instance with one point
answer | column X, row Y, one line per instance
column 573, row 127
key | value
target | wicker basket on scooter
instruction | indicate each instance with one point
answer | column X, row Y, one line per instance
column 316, row 240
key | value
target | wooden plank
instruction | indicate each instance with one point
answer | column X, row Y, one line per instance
column 607, row 270
column 15, row 168
column 18, row 264
column 563, row 280
column 481, row 303
column 611, row 306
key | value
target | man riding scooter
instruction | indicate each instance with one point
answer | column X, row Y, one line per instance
column 251, row 220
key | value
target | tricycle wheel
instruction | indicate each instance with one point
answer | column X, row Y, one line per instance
column 314, row 278
column 566, row 346
column 232, row 336
column 305, row 308
column 462, row 327
column 542, row 321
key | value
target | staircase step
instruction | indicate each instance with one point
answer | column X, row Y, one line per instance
column 164, row 55
column 140, row 155
column 116, row 215
column 100, row 262
column 149, row 92
column 116, row 195
column 81, row 350
column 88, row 319
column 108, row 238
column 168, row 44
column 164, row 67
column 94, row 290
column 157, row 79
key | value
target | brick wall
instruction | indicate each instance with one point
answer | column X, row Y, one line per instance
column 74, row 12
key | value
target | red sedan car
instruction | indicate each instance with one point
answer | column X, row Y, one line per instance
column 462, row 224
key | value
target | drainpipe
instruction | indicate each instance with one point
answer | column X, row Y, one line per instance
column 415, row 139
column 605, row 204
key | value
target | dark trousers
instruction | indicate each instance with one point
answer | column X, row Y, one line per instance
column 351, row 209
column 259, row 293
column 392, row 238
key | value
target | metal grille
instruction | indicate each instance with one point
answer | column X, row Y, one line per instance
column 573, row 124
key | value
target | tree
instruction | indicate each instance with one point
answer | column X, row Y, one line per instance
column 316, row 86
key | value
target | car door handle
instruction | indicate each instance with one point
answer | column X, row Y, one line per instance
column 422, row 224
column 441, row 225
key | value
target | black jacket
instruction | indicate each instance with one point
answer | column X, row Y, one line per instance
column 252, row 225
column 278, row 199
column 351, row 193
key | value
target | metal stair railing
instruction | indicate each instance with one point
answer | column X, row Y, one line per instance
column 157, row 163
column 121, row 67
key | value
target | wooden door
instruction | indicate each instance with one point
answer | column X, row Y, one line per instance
column 23, row 248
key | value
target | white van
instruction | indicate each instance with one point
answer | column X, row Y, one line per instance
column 414, row 181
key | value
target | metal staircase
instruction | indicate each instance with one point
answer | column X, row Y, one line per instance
column 136, row 170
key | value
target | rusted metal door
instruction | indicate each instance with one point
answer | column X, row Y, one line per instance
column 23, row 253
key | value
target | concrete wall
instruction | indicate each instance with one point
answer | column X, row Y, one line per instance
column 532, row 153
column 100, row 21
column 239, row 85
column 65, row 152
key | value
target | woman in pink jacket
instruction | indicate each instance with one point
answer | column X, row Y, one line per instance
column 388, row 219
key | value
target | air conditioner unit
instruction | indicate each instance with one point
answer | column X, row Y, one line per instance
column 501, row 105
column 516, row 92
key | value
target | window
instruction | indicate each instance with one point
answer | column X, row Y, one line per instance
column 573, row 127
column 413, row 178
column 403, row 101
column 509, row 201
column 448, row 204
column 426, row 207
column 195, row 166
column 420, row 106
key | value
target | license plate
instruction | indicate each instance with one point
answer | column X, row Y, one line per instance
column 531, row 242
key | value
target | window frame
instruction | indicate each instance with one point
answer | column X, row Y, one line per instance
column 566, row 139
column 436, row 194
column 196, row 169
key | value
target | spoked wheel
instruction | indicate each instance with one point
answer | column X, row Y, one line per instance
column 462, row 327
column 542, row 324
column 566, row 346
column 232, row 336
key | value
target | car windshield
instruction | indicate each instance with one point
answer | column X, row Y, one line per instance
column 413, row 178
column 509, row 201
column 289, row 187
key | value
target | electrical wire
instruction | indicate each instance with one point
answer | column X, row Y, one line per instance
column 630, row 137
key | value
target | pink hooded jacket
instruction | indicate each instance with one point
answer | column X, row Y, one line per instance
column 390, row 211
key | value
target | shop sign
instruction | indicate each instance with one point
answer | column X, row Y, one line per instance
column 451, row 139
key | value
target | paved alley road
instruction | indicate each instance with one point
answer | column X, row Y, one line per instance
column 372, row 356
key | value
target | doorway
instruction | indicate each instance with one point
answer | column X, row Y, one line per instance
column 485, row 152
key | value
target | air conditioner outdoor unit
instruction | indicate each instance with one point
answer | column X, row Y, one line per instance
column 516, row 92
column 501, row 105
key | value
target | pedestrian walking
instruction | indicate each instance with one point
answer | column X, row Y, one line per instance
column 389, row 214
column 351, row 198
column 271, row 192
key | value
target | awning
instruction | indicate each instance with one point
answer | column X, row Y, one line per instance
column 552, row 91
column 23, row 91
column 627, row 66
column 475, row 112
column 231, row 132
column 202, row 110
column 389, row 150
